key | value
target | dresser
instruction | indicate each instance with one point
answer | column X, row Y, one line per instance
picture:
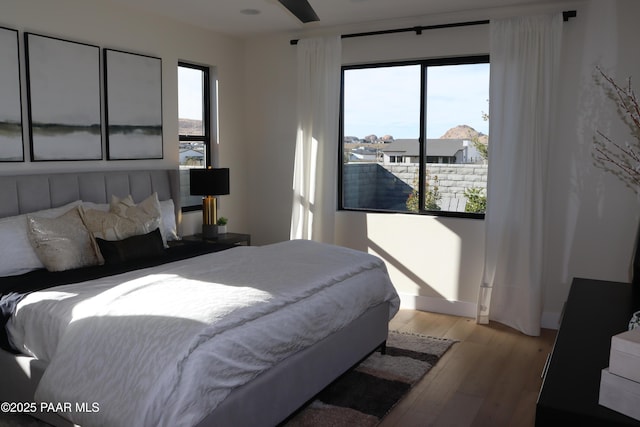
column 595, row 310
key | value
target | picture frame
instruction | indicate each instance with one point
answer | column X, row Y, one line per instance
column 133, row 91
column 63, row 89
column 11, row 134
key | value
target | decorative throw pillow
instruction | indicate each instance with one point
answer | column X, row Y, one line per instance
column 168, row 223
column 147, row 214
column 132, row 248
column 109, row 226
column 124, row 219
column 17, row 255
column 63, row 243
column 97, row 206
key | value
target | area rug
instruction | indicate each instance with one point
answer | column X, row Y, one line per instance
column 364, row 395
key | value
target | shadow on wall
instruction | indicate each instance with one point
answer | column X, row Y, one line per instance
column 402, row 268
column 358, row 231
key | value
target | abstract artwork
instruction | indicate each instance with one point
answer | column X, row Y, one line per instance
column 64, row 99
column 11, row 147
column 133, row 88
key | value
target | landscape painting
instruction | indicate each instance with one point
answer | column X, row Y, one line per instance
column 133, row 88
column 11, row 148
column 64, row 99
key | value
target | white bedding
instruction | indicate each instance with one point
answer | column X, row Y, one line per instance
column 152, row 356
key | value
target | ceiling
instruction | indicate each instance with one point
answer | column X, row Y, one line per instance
column 247, row 18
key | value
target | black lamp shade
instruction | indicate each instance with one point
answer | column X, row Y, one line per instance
column 209, row 182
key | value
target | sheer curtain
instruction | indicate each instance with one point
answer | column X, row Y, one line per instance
column 524, row 61
column 316, row 156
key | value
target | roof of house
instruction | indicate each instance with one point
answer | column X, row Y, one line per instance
column 435, row 147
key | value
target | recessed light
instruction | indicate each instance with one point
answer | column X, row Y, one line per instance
column 250, row 12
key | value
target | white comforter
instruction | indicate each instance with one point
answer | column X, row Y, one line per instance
column 164, row 346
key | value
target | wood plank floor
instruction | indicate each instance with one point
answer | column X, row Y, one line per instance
column 491, row 377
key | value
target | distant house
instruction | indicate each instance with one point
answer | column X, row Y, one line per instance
column 191, row 157
column 363, row 154
column 438, row 151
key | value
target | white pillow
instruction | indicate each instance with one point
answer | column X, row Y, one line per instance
column 169, row 227
column 17, row 256
column 63, row 243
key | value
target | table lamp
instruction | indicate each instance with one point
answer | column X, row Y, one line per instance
column 209, row 182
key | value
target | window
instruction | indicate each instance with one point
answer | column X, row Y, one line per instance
column 194, row 113
column 434, row 110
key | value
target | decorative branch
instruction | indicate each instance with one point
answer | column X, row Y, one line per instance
column 621, row 160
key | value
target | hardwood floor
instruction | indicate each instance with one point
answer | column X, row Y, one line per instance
column 491, row 377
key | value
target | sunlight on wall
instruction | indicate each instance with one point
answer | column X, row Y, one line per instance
column 422, row 255
column 428, row 258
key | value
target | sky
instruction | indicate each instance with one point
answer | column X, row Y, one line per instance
column 386, row 100
column 190, row 96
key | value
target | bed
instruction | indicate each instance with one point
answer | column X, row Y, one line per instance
column 100, row 340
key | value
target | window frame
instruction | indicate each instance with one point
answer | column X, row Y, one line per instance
column 206, row 117
column 424, row 64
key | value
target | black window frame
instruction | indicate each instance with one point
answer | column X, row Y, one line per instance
column 424, row 63
column 206, row 113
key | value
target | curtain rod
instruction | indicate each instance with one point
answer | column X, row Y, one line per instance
column 566, row 15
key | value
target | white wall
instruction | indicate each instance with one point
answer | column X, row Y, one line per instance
column 592, row 217
column 112, row 25
column 436, row 263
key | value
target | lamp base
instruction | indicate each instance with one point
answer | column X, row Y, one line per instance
column 209, row 231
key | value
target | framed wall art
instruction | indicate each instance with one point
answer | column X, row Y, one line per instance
column 11, row 145
column 63, row 87
column 133, row 90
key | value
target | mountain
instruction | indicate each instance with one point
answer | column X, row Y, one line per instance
column 465, row 132
column 190, row 127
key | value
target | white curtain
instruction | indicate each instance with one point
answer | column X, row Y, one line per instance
column 316, row 156
column 525, row 53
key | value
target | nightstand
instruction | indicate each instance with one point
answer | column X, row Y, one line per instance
column 229, row 238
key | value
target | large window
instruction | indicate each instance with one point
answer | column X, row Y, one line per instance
column 194, row 113
column 414, row 136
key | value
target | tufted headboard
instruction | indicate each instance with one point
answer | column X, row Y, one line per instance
column 21, row 194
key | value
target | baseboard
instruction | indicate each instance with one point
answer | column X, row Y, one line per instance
column 437, row 305
column 549, row 320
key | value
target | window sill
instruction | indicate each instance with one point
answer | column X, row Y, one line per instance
column 447, row 214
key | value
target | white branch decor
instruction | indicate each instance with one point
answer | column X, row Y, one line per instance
column 623, row 160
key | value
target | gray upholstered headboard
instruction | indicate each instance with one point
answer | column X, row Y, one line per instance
column 21, row 194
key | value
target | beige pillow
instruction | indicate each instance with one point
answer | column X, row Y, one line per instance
column 17, row 255
column 63, row 243
column 109, row 226
column 147, row 213
column 124, row 219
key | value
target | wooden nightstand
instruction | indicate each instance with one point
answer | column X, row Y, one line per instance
column 229, row 238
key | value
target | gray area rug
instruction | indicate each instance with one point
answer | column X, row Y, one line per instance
column 364, row 395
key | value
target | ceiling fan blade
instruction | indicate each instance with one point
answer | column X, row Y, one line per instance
column 301, row 9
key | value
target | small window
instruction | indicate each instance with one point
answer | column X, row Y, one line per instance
column 194, row 114
column 434, row 110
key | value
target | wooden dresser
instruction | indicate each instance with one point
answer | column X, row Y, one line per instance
column 595, row 311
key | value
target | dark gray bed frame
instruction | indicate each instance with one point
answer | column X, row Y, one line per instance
column 265, row 401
